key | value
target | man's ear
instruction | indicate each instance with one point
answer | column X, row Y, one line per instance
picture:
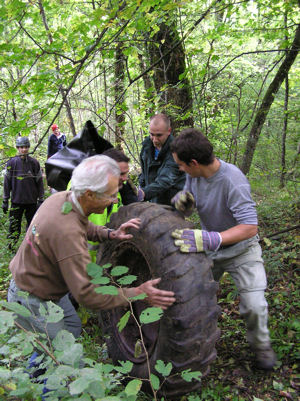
column 89, row 194
column 193, row 163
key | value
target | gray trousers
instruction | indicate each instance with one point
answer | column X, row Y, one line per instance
column 243, row 261
column 70, row 322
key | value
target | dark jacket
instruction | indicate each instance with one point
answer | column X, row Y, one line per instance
column 55, row 144
column 23, row 180
column 160, row 179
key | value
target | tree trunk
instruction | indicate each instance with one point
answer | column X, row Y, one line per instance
column 176, row 98
column 119, row 89
column 267, row 102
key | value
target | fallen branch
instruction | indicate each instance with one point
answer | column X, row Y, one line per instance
column 283, row 231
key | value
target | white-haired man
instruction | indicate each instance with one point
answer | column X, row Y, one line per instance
column 53, row 256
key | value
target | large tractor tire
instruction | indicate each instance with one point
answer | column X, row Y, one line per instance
column 187, row 332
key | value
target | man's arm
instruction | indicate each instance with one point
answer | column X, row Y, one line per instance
column 40, row 184
column 238, row 233
column 6, row 188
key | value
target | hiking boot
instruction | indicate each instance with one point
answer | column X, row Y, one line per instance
column 265, row 358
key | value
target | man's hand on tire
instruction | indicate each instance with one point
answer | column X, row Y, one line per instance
column 184, row 202
column 155, row 297
column 197, row 240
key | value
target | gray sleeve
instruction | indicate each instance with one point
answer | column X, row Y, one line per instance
column 241, row 203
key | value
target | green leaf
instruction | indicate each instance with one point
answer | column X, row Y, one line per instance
column 63, row 340
column 6, row 321
column 66, row 208
column 163, row 369
column 53, row 314
column 123, row 321
column 127, row 279
column 79, row 385
column 133, row 387
column 188, row 376
column 119, row 270
column 125, row 367
column 107, row 290
column 93, row 269
column 5, row 374
column 138, row 348
column 138, row 297
column 17, row 308
column 277, row 386
column 71, row 355
column 155, row 381
column 267, row 241
column 150, row 315
column 100, row 280
column 106, row 266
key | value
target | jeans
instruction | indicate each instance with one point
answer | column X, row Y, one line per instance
column 70, row 322
column 243, row 261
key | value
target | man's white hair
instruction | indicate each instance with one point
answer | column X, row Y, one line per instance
column 93, row 173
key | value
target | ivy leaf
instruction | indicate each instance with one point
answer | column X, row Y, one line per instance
column 154, row 381
column 119, row 270
column 123, row 321
column 150, row 315
column 66, row 207
column 163, row 369
column 17, row 308
column 188, row 376
column 127, row 279
column 107, row 290
column 133, row 387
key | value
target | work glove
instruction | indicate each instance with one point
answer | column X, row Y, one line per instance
column 197, row 240
column 184, row 202
column 140, row 195
column 5, row 206
column 39, row 202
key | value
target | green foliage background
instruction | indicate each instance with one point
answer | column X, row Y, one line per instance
column 57, row 51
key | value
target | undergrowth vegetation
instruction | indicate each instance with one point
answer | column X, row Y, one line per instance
column 233, row 375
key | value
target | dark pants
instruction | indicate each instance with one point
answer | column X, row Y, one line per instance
column 15, row 218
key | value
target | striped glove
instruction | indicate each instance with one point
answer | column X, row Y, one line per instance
column 197, row 240
column 184, row 202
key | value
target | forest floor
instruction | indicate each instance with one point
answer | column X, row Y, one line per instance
column 233, row 375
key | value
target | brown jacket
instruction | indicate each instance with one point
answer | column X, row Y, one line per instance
column 53, row 256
